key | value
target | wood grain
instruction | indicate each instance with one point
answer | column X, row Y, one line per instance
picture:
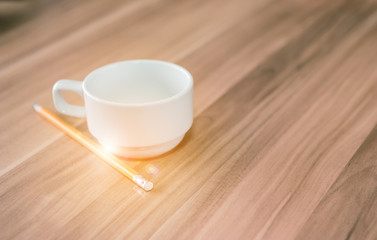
column 282, row 145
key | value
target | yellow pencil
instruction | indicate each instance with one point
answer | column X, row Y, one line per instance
column 113, row 161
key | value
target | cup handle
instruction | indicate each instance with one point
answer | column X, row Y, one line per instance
column 61, row 105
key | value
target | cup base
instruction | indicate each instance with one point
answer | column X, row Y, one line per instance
column 144, row 152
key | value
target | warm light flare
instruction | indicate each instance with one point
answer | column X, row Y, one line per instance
column 153, row 170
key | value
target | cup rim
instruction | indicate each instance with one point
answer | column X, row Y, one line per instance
column 168, row 99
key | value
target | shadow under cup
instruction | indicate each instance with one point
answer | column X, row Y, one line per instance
column 139, row 108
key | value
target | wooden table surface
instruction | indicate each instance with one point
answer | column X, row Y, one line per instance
column 284, row 140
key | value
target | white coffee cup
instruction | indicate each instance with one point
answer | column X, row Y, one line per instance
column 136, row 108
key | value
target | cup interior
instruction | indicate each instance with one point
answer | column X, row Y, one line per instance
column 137, row 82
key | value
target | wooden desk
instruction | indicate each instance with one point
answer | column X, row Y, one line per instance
column 283, row 144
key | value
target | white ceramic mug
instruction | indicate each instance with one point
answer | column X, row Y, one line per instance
column 136, row 108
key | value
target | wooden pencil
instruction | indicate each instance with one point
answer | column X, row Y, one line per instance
column 112, row 160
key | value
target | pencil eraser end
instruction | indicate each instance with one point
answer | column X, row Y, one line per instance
column 148, row 186
column 142, row 182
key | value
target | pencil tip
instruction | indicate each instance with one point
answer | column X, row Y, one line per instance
column 36, row 107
